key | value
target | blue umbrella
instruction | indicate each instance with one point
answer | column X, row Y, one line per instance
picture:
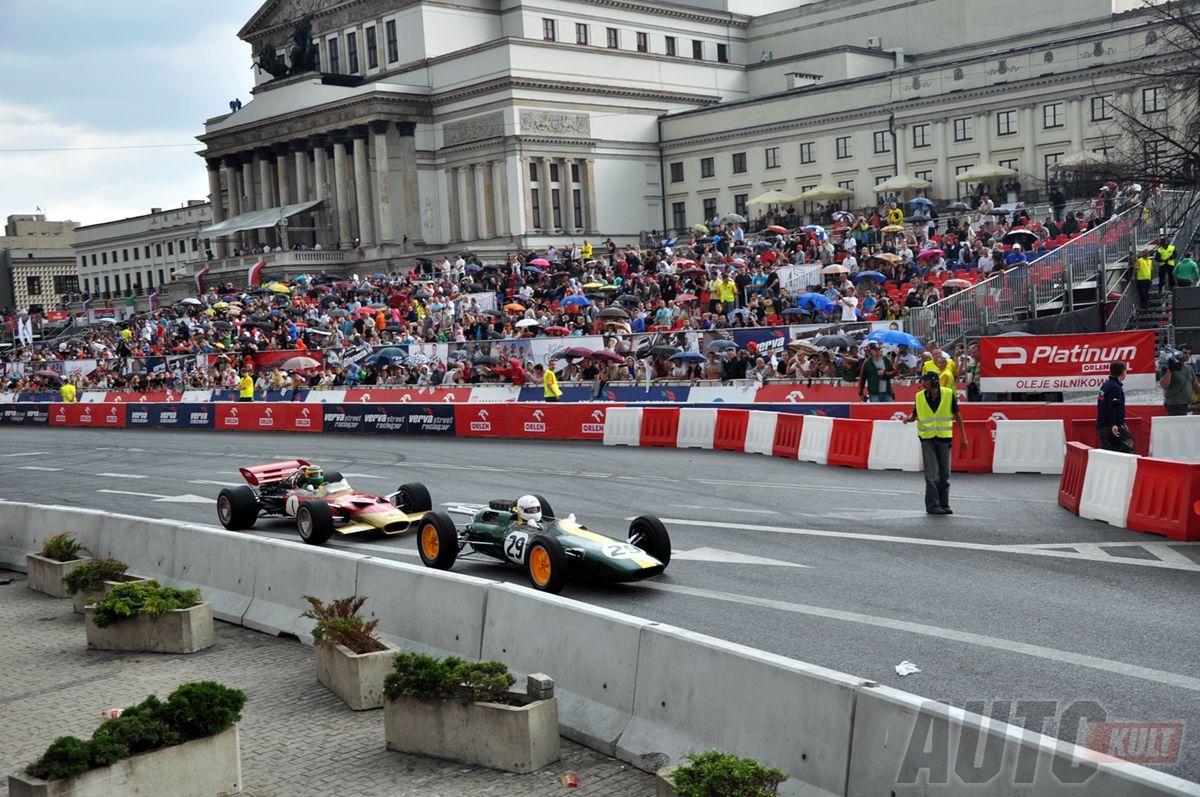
column 896, row 338
column 689, row 356
column 875, row 275
column 474, row 267
column 532, row 269
column 815, row 300
column 921, row 202
column 763, row 245
column 722, row 345
column 582, row 301
column 797, row 310
column 816, row 230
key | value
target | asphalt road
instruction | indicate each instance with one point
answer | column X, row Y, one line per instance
column 1010, row 599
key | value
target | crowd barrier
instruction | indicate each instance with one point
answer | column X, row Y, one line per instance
column 1176, row 438
column 1029, row 447
column 644, row 691
column 1160, row 496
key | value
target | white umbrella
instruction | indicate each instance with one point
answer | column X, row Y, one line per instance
column 1082, row 162
column 901, row 182
column 824, row 191
column 527, row 322
column 189, row 300
column 985, row 171
column 772, row 197
column 835, row 269
column 733, row 218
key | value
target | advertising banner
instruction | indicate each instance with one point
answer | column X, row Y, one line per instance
column 25, row 414
column 474, row 421
column 169, row 416
column 253, row 417
column 1064, row 363
column 430, row 419
column 108, row 415
column 365, row 418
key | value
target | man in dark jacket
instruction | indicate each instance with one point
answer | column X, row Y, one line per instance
column 1110, row 412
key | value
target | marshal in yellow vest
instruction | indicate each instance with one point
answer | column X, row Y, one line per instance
column 932, row 424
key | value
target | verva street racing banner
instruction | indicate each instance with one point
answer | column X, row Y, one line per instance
column 1064, row 363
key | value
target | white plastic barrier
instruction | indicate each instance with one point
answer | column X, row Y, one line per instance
column 692, row 687
column 814, row 439
column 1029, row 447
column 622, row 426
column 1176, row 437
column 429, row 611
column 760, row 432
column 325, row 397
column 697, row 426
column 1108, row 486
column 592, row 651
column 894, row 446
column 284, row 572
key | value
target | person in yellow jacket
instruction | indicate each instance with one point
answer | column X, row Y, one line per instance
column 1143, row 273
column 941, row 365
column 894, row 215
column 246, row 387
column 936, row 414
column 1164, row 257
column 585, row 251
column 550, row 388
column 727, row 293
column 68, row 393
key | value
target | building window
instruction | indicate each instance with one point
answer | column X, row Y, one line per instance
column 1006, row 123
column 806, row 153
column 710, row 209
column 577, row 200
column 1052, row 115
column 147, row 253
column 964, row 128
column 879, row 178
column 536, row 206
column 352, row 52
column 1049, row 161
column 678, row 215
column 554, row 172
column 847, row 184
column 393, row 49
column 844, row 148
column 883, row 141
column 1154, row 99
column 1101, row 109
column 677, row 172
column 107, row 286
column 926, row 175
column 33, row 286
column 581, row 33
column 707, row 167
column 161, row 279
column 670, row 45
column 739, row 204
column 556, row 199
column 920, row 136
column 372, row 49
column 533, row 172
column 643, row 43
column 1156, row 151
column 961, row 188
column 93, row 258
column 697, row 49
column 158, row 250
column 612, row 38
column 574, row 172
column 104, row 258
column 772, row 154
column 739, row 163
column 549, row 30
column 335, row 55
column 1011, row 163
column 125, row 255
column 722, row 53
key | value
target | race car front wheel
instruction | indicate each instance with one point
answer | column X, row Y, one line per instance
column 437, row 540
column 237, row 508
column 314, row 521
column 413, row 498
column 648, row 533
column 546, row 564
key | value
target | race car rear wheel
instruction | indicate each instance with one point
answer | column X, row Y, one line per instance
column 413, row 498
column 546, row 563
column 237, row 508
column 314, row 521
column 648, row 533
column 437, row 540
column 547, row 512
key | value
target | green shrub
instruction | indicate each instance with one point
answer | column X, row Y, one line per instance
column 91, row 575
column 142, row 597
column 192, row 711
column 717, row 774
column 63, row 547
column 339, row 623
column 418, row 675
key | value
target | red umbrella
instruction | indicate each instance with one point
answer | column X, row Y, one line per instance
column 928, row 253
column 685, row 297
column 575, row 352
column 692, row 270
column 611, row 356
column 777, row 228
column 539, row 261
column 683, row 261
column 557, row 330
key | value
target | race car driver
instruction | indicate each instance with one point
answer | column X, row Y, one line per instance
column 311, row 477
column 529, row 512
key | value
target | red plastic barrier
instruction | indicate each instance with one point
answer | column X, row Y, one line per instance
column 272, row 417
column 660, row 426
column 482, row 420
column 981, row 446
column 730, row 433
column 850, row 443
column 419, row 395
column 1070, row 484
column 154, row 397
column 536, row 421
column 1166, row 499
column 1083, row 430
column 788, row 428
column 582, row 421
column 821, row 393
column 106, row 414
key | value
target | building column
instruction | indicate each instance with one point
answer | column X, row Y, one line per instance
column 234, row 170
column 281, row 173
column 411, row 194
column 300, row 158
column 1032, row 167
column 530, row 222
column 547, row 195
column 480, row 205
column 1075, row 123
column 983, row 134
column 568, row 197
column 589, row 194
column 944, row 181
column 321, row 188
column 342, row 192
column 500, row 197
column 488, row 194
column 465, row 191
column 266, row 188
column 382, row 167
column 362, row 188
column 452, row 203
column 214, row 193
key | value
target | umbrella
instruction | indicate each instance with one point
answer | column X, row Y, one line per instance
column 299, row 364
column 189, row 300
column 843, row 216
column 772, row 197
column 887, row 257
column 833, row 342
column 514, row 307
column 687, row 356
column 1021, row 236
column 628, row 298
column 835, row 269
column 869, row 275
column 733, row 218
column 984, row 171
column 338, row 313
column 1082, row 162
column 575, row 299
column 685, row 297
column 532, row 270
column 816, row 230
column 418, row 359
column 220, row 305
column 921, row 202
column 690, row 271
column 956, row 283
column 557, row 330
column 1015, row 334
column 893, row 228
column 721, row 345
column 763, row 244
column 663, row 351
column 376, row 276
column 466, row 253
column 527, row 322
column 593, row 285
column 540, row 261
column 960, row 207
column 895, row 337
column 700, row 228
column 797, row 310
column 816, row 301
column 928, row 253
column 486, row 359
column 611, row 356
column 377, row 306
column 613, row 312
column 901, row 182
column 777, row 228
column 222, row 325
column 823, row 192
column 574, row 352
column 46, row 372
column 278, row 287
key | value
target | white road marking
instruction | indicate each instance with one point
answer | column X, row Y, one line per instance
column 1168, row 553
column 727, row 557
column 27, row 454
column 863, row 514
column 187, row 498
column 219, row 484
column 739, row 510
column 38, row 467
column 121, row 475
column 363, row 476
column 996, row 643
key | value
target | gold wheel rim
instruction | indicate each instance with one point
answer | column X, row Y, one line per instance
column 539, row 566
column 430, row 543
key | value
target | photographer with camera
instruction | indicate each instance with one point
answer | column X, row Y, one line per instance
column 1177, row 378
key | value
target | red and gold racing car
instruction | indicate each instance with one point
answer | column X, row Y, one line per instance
column 322, row 502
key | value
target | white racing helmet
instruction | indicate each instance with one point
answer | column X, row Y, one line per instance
column 529, row 510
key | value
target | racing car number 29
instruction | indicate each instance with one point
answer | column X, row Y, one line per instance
column 515, row 545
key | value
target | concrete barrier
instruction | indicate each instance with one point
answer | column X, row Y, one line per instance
column 760, row 432
column 814, row 439
column 589, row 654
column 623, row 426
column 895, row 446
column 1175, row 437
column 1108, row 486
column 697, row 426
column 1029, row 447
column 147, row 546
column 201, row 559
column 695, row 692
column 16, row 536
column 284, row 572
column 424, row 610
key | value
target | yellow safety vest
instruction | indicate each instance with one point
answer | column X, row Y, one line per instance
column 68, row 393
column 246, row 387
column 1143, row 268
column 1166, row 255
column 550, row 385
column 941, row 424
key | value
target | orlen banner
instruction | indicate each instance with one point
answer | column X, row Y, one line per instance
column 1064, row 363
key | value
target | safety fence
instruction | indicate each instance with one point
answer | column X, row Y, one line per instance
column 1123, row 310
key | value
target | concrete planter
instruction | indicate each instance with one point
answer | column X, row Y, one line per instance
column 199, row 768
column 664, row 782
column 357, row 678
column 180, row 631
column 516, row 738
column 46, row 575
column 84, row 597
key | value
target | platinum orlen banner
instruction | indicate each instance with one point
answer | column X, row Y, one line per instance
column 1064, row 363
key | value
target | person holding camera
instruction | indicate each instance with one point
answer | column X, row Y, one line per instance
column 1178, row 381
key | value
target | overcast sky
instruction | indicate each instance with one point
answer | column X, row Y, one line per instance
column 84, row 77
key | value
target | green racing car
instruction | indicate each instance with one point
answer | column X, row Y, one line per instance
column 526, row 533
